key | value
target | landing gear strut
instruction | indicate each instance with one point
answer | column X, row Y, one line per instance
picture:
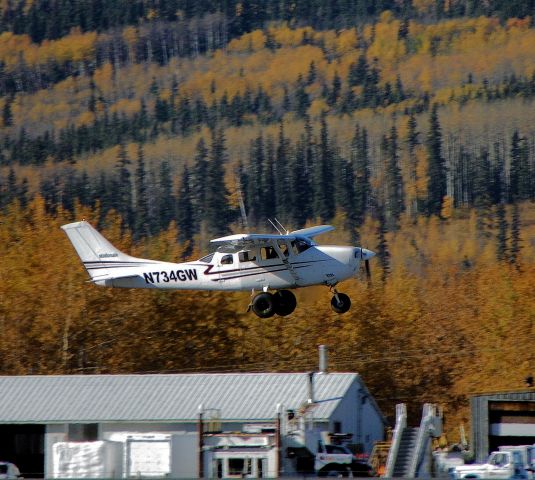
column 266, row 305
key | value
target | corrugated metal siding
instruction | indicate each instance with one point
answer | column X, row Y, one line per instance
column 99, row 398
column 480, row 417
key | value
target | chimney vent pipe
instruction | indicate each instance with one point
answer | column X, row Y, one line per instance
column 322, row 358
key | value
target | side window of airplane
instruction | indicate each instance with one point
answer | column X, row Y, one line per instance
column 284, row 248
column 247, row 256
column 268, row 253
column 299, row 246
column 227, row 260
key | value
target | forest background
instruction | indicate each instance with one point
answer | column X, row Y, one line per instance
column 407, row 124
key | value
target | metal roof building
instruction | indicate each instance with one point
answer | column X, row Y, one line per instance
column 502, row 418
column 154, row 398
column 37, row 412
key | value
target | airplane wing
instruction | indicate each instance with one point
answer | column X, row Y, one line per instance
column 243, row 241
column 311, row 232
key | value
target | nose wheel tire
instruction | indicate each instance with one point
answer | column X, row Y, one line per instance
column 264, row 305
column 340, row 304
column 285, row 302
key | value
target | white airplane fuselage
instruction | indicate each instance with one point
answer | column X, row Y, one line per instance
column 323, row 264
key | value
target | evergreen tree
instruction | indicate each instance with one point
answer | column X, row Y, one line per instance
column 268, row 179
column 412, row 142
column 324, row 203
column 358, row 72
column 482, row 202
column 502, row 253
column 255, row 188
column 218, row 213
column 393, row 180
column 302, row 100
column 185, row 215
column 514, row 252
column 436, row 189
column 7, row 114
column 167, row 204
column 122, row 191
column 520, row 174
column 141, row 213
column 383, row 253
column 281, row 175
column 334, row 92
column 198, row 183
column 361, row 168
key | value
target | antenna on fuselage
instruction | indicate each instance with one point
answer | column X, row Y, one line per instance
column 279, row 226
column 275, row 226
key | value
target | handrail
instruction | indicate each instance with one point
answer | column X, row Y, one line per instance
column 427, row 428
column 401, row 424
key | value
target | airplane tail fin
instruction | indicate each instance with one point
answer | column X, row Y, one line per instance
column 97, row 254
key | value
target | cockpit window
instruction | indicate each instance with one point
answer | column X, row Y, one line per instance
column 207, row 258
column 226, row 260
column 268, row 253
column 247, row 256
column 301, row 244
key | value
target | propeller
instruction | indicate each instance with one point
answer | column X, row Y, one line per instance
column 366, row 255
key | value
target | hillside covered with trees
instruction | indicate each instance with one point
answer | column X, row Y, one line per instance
column 406, row 124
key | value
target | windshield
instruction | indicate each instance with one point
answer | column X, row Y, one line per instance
column 3, row 468
column 207, row 258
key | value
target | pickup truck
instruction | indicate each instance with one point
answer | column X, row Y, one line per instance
column 500, row 465
column 338, row 460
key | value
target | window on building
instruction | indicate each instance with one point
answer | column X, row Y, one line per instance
column 83, row 432
column 337, row 427
column 236, row 467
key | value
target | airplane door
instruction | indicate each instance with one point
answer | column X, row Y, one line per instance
column 250, row 273
column 225, row 266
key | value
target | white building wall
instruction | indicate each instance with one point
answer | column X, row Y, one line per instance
column 53, row 434
column 357, row 414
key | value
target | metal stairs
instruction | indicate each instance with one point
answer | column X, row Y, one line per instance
column 410, row 453
column 405, row 452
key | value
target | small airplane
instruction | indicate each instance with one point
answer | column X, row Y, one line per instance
column 259, row 263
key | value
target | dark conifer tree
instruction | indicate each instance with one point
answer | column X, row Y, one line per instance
column 299, row 191
column 281, row 175
column 7, row 114
column 167, row 203
column 268, row 179
column 358, row 72
column 383, row 253
column 218, row 214
column 312, row 73
column 122, row 191
column 302, row 100
column 334, row 92
column 141, row 211
column 199, row 178
column 324, row 203
column 436, row 189
column 361, row 168
column 255, row 189
column 185, row 215
column 412, row 142
column 393, row 181
column 502, row 253
column 514, row 252
column 482, row 179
